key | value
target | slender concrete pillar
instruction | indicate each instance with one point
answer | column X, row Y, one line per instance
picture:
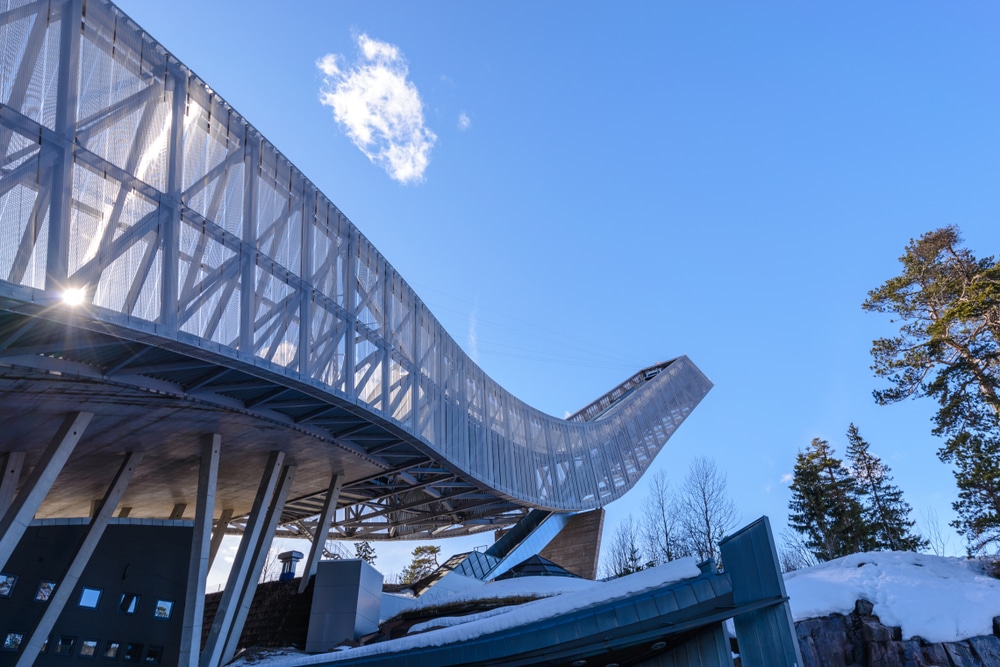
column 15, row 521
column 322, row 530
column 13, row 462
column 259, row 557
column 67, row 583
column 218, row 534
column 194, row 597
column 211, row 655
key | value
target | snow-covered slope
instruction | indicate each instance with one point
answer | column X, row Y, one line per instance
column 939, row 599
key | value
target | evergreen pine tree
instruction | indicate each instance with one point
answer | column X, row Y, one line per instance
column 424, row 563
column 824, row 506
column 365, row 551
column 977, row 471
column 885, row 513
column 947, row 305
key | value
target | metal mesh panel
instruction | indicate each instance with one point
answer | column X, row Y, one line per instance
column 400, row 392
column 33, row 91
column 147, row 306
column 329, row 348
column 276, row 319
column 16, row 34
column 22, row 223
column 209, row 286
column 199, row 209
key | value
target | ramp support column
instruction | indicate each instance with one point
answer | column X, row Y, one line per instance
column 259, row 557
column 322, row 529
column 36, row 487
column 67, row 584
column 194, row 597
column 13, row 462
column 211, row 655
column 218, row 534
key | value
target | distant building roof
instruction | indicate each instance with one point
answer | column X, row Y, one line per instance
column 536, row 566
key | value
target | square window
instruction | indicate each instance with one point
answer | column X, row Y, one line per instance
column 133, row 652
column 88, row 648
column 89, row 597
column 64, row 645
column 7, row 582
column 45, row 590
column 12, row 642
column 153, row 655
column 163, row 609
column 128, row 604
column 111, row 650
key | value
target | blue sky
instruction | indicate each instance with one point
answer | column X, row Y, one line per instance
column 609, row 185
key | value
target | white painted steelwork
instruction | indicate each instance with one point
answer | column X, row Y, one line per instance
column 122, row 174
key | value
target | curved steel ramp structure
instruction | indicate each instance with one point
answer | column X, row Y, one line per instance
column 221, row 291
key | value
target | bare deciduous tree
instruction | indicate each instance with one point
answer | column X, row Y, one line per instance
column 661, row 527
column 794, row 553
column 272, row 567
column 938, row 539
column 625, row 554
column 707, row 513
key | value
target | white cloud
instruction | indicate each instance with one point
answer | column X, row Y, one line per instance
column 464, row 122
column 786, row 478
column 379, row 109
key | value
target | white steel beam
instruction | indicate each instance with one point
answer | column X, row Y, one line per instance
column 57, row 257
column 211, row 655
column 13, row 462
column 172, row 219
column 194, row 597
column 67, row 583
column 218, row 534
column 251, row 177
column 259, row 557
column 36, row 486
column 322, row 530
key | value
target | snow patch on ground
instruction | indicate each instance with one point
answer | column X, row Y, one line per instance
column 939, row 599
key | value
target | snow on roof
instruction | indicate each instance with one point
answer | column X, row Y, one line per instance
column 939, row 599
column 563, row 601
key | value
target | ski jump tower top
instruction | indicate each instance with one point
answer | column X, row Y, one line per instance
column 165, row 268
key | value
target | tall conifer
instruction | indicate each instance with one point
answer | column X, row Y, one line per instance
column 885, row 513
column 824, row 506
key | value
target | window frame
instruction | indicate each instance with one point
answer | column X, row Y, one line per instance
column 7, row 578
column 41, row 586
column 84, row 591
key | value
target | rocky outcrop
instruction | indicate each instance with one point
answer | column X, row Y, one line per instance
column 860, row 640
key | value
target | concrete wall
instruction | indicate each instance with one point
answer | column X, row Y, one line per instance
column 578, row 545
column 148, row 561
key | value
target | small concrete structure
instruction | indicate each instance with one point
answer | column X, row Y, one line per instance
column 288, row 561
column 347, row 598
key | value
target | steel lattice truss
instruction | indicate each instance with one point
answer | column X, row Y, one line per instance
column 214, row 270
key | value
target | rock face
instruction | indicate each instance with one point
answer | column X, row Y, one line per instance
column 860, row 640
